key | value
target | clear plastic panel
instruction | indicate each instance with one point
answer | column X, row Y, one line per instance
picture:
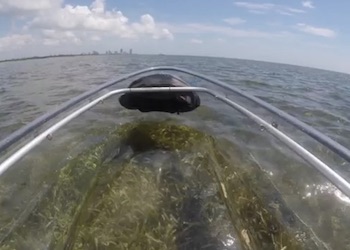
column 120, row 179
column 94, row 163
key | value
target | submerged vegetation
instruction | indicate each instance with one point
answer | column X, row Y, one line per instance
column 158, row 185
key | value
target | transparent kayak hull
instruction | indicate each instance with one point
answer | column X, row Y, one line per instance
column 91, row 175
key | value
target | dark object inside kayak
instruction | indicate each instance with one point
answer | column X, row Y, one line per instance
column 171, row 102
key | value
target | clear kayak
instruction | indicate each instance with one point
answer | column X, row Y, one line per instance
column 154, row 160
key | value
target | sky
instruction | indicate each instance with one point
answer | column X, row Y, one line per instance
column 301, row 32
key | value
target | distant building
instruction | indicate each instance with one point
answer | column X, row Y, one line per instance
column 130, row 51
column 121, row 51
column 95, row 53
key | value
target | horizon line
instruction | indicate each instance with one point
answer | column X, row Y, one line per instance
column 159, row 54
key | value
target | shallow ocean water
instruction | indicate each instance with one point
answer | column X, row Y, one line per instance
column 299, row 197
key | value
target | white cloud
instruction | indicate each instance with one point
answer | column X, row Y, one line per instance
column 21, row 6
column 234, row 20
column 14, row 41
column 98, row 6
column 308, row 4
column 325, row 32
column 148, row 26
column 63, row 24
column 198, row 28
column 196, row 41
column 55, row 37
column 255, row 6
column 293, row 10
column 97, row 19
column 263, row 8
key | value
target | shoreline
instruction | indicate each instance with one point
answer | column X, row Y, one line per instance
column 44, row 57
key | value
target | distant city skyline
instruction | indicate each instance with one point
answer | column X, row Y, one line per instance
column 121, row 51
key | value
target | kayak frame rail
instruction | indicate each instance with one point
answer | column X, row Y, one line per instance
column 323, row 168
column 307, row 129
